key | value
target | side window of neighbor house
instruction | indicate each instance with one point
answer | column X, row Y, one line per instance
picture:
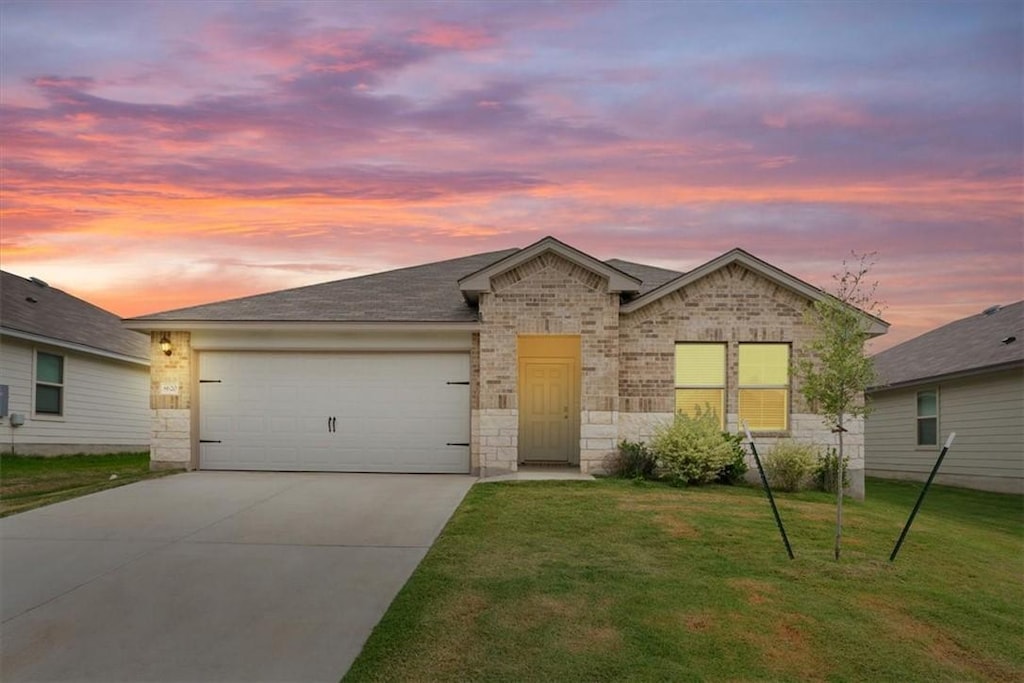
column 49, row 384
column 764, row 386
column 928, row 418
column 700, row 379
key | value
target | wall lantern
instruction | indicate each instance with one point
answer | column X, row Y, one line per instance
column 165, row 345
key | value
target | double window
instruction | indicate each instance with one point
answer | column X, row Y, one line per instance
column 49, row 385
column 928, row 418
column 762, row 396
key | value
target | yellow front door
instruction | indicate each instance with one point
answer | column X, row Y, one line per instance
column 546, row 420
column 549, row 387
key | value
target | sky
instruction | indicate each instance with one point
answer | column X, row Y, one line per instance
column 164, row 154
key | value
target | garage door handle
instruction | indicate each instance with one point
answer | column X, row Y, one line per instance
column 332, row 424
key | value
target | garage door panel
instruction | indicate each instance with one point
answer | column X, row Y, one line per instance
column 393, row 412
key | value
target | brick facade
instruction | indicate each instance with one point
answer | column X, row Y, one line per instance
column 546, row 295
column 627, row 360
column 732, row 305
column 171, row 442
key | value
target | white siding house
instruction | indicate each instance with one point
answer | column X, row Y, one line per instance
column 76, row 381
column 966, row 377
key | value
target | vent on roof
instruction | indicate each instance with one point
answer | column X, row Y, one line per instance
column 31, row 299
column 1009, row 340
column 991, row 309
column 36, row 281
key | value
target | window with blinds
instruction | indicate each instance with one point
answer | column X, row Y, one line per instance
column 764, row 386
column 700, row 379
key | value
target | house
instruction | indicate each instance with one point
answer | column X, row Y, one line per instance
column 75, row 380
column 965, row 377
column 540, row 355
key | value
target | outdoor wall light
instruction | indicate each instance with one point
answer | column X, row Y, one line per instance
column 165, row 345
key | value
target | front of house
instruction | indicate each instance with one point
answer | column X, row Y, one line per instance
column 541, row 355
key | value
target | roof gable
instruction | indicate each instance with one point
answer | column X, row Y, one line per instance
column 618, row 281
column 966, row 346
column 33, row 310
column 876, row 326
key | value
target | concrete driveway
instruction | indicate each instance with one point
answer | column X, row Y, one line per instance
column 213, row 576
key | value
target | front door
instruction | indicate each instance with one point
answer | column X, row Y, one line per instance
column 547, row 416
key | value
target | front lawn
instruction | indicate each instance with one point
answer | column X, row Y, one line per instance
column 611, row 580
column 31, row 482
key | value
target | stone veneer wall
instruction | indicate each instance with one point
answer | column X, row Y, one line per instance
column 546, row 295
column 731, row 305
column 171, row 442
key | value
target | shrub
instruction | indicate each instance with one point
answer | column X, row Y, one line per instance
column 693, row 450
column 825, row 471
column 790, row 464
column 635, row 461
column 734, row 470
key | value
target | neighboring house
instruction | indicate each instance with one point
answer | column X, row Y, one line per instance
column 965, row 377
column 73, row 374
column 542, row 355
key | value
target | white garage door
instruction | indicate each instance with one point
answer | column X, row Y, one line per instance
column 336, row 412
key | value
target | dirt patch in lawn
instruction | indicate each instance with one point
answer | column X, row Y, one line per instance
column 676, row 527
column 786, row 649
column 698, row 623
column 668, row 517
column 939, row 645
column 756, row 592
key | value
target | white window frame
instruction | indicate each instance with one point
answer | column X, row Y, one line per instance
column 788, row 387
column 62, row 385
column 918, row 417
column 724, row 387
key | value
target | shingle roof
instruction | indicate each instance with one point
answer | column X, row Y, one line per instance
column 427, row 293
column 651, row 276
column 968, row 345
column 32, row 307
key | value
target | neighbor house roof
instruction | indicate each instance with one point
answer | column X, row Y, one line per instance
column 979, row 343
column 33, row 310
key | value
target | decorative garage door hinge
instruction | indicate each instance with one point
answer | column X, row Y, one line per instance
column 465, row 383
column 456, row 443
column 209, row 381
column 209, row 440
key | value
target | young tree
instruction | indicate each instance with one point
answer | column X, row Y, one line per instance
column 839, row 371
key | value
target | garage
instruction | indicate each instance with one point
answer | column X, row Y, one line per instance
column 334, row 412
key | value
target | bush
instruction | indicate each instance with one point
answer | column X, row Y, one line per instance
column 733, row 471
column 790, row 464
column 825, row 471
column 693, row 450
column 635, row 461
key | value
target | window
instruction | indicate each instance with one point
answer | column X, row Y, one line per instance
column 700, row 379
column 764, row 387
column 49, row 384
column 928, row 418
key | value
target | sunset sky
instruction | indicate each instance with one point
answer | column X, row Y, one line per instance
column 163, row 154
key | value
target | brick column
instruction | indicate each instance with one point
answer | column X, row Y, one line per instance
column 170, row 402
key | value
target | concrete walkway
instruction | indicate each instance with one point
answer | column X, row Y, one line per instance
column 213, row 576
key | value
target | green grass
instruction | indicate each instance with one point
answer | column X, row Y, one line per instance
column 611, row 580
column 31, row 482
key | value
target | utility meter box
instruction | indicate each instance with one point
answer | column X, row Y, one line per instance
column 17, row 419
